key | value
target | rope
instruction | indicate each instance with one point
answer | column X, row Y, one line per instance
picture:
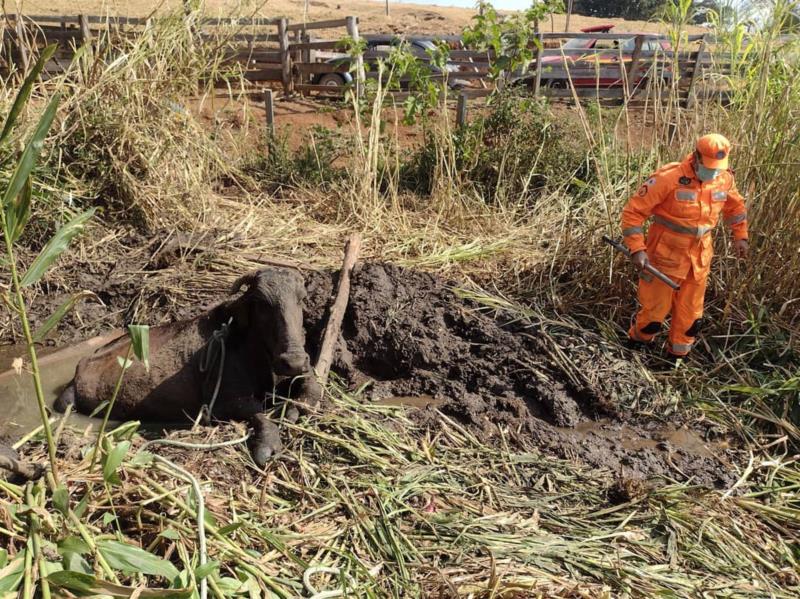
column 198, row 492
column 214, row 356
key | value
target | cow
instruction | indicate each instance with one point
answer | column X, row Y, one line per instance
column 228, row 359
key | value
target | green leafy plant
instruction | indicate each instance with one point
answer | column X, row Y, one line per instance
column 511, row 39
column 140, row 347
column 14, row 215
column 425, row 80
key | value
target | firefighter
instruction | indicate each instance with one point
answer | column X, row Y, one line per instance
column 685, row 200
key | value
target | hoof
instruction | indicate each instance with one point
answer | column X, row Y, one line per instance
column 266, row 443
column 292, row 414
column 19, row 471
column 65, row 399
column 310, row 396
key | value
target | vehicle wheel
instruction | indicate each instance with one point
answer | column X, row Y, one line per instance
column 558, row 83
column 331, row 80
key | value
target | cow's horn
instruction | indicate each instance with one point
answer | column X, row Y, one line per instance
column 247, row 279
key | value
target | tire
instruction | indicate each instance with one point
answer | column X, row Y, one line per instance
column 331, row 80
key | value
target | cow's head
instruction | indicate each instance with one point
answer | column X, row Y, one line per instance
column 272, row 309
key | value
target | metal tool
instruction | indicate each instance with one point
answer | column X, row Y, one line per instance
column 648, row 267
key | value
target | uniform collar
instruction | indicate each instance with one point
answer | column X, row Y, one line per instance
column 687, row 167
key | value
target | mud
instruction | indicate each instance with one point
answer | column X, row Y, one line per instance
column 19, row 413
column 412, row 340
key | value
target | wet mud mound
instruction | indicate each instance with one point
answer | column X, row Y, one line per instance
column 412, row 337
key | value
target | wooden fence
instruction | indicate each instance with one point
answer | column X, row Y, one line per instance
column 616, row 66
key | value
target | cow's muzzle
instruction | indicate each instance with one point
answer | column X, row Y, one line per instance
column 292, row 363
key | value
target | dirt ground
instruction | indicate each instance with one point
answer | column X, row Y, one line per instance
column 403, row 18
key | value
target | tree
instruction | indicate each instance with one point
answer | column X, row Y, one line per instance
column 639, row 10
column 722, row 12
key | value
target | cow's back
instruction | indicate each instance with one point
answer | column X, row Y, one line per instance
column 169, row 390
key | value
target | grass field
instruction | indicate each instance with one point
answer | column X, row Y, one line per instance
column 368, row 499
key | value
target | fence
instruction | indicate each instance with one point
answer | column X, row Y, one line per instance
column 614, row 66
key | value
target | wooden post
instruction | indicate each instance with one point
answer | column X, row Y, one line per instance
column 569, row 14
column 307, row 56
column 352, row 31
column 387, row 8
column 22, row 45
column 461, row 110
column 86, row 33
column 270, row 110
column 630, row 79
column 297, row 57
column 286, row 58
column 695, row 73
column 537, row 81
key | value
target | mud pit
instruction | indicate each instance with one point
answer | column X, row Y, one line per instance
column 409, row 335
column 413, row 341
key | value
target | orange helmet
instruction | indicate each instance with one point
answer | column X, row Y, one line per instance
column 713, row 150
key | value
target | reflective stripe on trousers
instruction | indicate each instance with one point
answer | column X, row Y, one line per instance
column 681, row 349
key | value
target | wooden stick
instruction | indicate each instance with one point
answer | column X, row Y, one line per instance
column 286, row 57
column 537, row 82
column 461, row 111
column 269, row 107
column 695, row 74
column 22, row 46
column 352, row 31
column 331, row 335
column 86, row 32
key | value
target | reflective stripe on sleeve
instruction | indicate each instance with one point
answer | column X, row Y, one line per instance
column 735, row 220
column 719, row 196
column 632, row 231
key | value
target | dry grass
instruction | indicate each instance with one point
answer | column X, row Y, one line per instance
column 432, row 512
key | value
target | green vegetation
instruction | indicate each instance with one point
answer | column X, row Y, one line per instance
column 365, row 499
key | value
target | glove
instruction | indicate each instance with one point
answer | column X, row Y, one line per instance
column 639, row 259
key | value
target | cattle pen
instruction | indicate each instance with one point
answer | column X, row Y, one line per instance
column 292, row 57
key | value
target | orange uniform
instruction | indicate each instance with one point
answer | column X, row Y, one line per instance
column 684, row 211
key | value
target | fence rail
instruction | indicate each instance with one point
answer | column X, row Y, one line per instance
column 275, row 52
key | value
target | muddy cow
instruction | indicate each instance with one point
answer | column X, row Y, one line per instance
column 256, row 339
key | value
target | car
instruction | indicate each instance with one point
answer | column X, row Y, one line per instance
column 384, row 44
column 601, row 53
